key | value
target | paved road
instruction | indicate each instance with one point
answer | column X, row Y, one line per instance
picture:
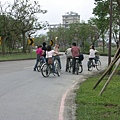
column 27, row 95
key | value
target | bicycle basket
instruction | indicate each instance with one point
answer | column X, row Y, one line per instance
column 50, row 60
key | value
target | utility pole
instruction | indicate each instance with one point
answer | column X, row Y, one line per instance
column 110, row 34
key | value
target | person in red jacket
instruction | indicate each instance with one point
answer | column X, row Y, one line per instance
column 75, row 53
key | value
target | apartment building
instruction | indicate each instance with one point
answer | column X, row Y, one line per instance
column 70, row 17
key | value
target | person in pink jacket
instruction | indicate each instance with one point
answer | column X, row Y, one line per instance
column 39, row 53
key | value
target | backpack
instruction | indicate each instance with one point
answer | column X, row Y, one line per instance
column 81, row 57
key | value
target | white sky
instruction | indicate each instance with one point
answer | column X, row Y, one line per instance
column 57, row 8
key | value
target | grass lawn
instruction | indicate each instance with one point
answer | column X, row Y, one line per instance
column 18, row 56
column 90, row 106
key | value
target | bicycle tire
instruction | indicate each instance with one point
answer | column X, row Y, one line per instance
column 39, row 67
column 77, row 67
column 45, row 70
column 98, row 66
column 80, row 68
column 57, row 68
column 70, row 66
column 89, row 65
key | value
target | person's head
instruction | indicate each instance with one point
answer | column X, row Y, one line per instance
column 44, row 44
column 74, row 44
column 39, row 46
column 49, row 48
column 57, row 45
column 92, row 47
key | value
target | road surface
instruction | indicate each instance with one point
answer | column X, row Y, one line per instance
column 26, row 95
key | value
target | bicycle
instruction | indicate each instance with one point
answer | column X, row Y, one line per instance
column 69, row 69
column 40, row 63
column 78, row 66
column 47, row 69
column 91, row 64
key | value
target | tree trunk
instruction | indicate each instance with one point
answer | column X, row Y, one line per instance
column 3, row 45
column 103, row 43
column 24, row 43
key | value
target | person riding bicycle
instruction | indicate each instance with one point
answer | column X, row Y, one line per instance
column 68, row 54
column 57, row 57
column 39, row 53
column 93, row 53
column 49, row 54
column 75, row 53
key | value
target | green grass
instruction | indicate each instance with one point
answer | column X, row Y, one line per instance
column 18, row 56
column 90, row 106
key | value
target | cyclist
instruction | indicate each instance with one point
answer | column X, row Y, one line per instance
column 68, row 54
column 39, row 53
column 56, row 56
column 75, row 53
column 92, row 54
column 49, row 54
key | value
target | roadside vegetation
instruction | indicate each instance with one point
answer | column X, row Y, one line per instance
column 91, row 106
column 18, row 56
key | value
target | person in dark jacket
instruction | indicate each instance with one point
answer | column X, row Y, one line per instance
column 44, row 48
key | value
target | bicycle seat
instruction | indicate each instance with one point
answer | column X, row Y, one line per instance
column 76, row 57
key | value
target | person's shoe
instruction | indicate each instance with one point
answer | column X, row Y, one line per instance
column 34, row 69
column 54, row 74
column 73, row 72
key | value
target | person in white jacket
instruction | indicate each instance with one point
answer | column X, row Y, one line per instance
column 68, row 54
column 92, row 53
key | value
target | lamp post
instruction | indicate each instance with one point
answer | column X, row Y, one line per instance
column 110, row 33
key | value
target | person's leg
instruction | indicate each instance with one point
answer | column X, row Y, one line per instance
column 58, row 58
column 67, row 63
column 95, row 60
column 53, row 66
column 73, row 63
column 43, row 59
column 36, row 64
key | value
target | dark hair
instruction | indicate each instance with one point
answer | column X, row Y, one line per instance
column 49, row 48
column 39, row 46
column 93, row 47
column 44, row 43
column 74, row 44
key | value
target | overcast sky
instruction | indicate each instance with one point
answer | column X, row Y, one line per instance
column 57, row 8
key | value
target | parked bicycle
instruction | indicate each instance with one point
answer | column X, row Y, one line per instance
column 78, row 66
column 47, row 69
column 91, row 64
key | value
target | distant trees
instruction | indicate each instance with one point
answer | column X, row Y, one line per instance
column 84, row 34
column 20, row 20
column 102, row 18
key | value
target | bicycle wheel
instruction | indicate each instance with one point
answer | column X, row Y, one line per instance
column 45, row 70
column 70, row 66
column 39, row 67
column 80, row 68
column 77, row 67
column 57, row 68
column 89, row 65
column 98, row 66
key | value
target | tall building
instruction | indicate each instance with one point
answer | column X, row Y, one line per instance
column 70, row 17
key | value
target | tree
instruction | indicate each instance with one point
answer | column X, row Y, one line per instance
column 102, row 13
column 23, row 12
